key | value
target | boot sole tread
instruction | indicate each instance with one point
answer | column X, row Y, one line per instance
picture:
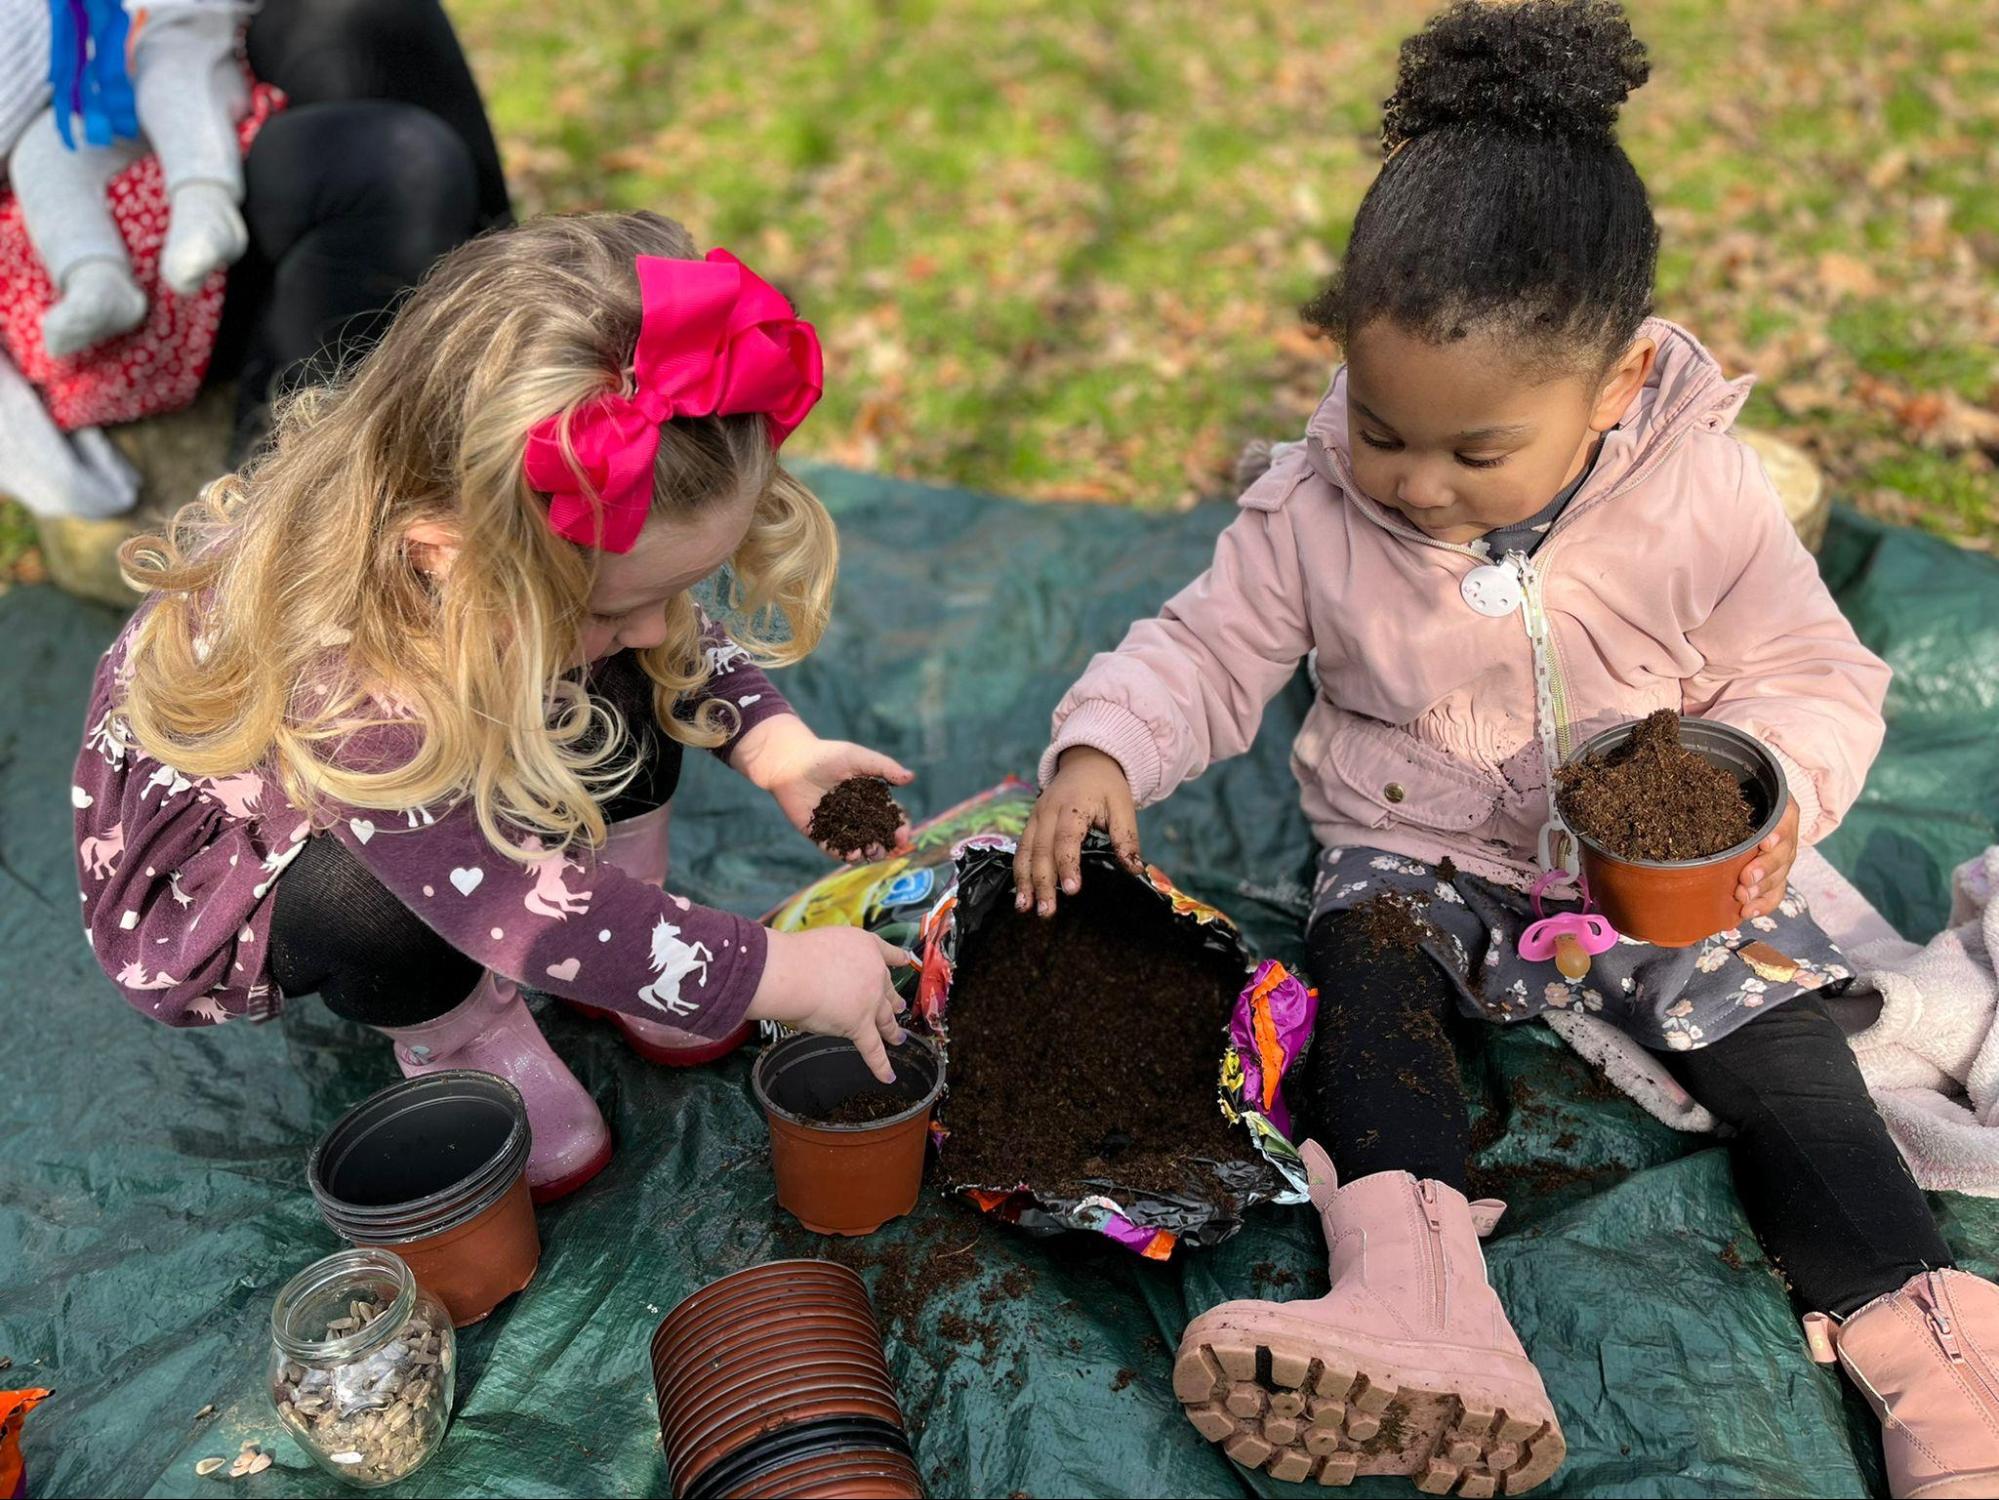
column 1301, row 1413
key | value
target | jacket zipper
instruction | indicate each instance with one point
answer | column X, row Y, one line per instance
column 1550, row 695
column 1433, row 1247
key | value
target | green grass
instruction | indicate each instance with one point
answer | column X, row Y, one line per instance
column 1055, row 248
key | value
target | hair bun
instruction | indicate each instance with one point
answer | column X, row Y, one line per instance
column 1532, row 67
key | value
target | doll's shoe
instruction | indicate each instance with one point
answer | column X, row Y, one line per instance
column 1407, row 1366
column 1927, row 1358
column 492, row 1030
column 638, row 846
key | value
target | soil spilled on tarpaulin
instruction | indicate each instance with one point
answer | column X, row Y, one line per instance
column 1085, row 1046
column 857, row 815
column 1653, row 799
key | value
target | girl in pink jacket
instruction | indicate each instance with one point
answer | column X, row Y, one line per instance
column 1518, row 517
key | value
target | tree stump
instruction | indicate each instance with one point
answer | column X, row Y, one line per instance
column 175, row 456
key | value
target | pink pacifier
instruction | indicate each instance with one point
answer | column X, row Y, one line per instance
column 1570, row 938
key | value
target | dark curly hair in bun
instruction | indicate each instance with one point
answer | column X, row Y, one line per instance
column 1505, row 203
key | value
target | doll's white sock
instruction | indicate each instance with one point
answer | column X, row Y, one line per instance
column 100, row 300
column 204, row 233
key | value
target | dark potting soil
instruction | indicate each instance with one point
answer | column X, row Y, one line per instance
column 1084, row 1046
column 857, row 815
column 1394, row 922
column 865, row 1107
column 1654, row 799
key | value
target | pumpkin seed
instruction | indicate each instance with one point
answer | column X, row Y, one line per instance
column 209, row 1465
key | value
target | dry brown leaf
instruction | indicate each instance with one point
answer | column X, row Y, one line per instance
column 1847, row 275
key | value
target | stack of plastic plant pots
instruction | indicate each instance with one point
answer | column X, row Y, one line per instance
column 771, row 1382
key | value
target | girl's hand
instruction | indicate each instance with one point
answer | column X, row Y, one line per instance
column 1764, row 880
column 795, row 766
column 835, row 981
column 1090, row 790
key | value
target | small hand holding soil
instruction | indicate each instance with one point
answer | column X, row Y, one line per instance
column 1653, row 799
column 858, row 816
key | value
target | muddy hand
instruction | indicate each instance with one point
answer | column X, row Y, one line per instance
column 1089, row 790
column 1768, row 875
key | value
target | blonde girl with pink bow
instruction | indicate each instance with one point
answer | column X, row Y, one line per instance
column 401, row 720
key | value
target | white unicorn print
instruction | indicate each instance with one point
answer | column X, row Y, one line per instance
column 110, row 739
column 418, row 817
column 275, row 862
column 100, row 855
column 551, row 897
column 165, row 776
column 720, row 659
column 181, row 897
column 672, row 961
column 209, row 1009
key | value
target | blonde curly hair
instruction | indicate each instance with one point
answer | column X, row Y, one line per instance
column 289, row 615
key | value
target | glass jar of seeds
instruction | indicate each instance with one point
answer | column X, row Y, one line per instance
column 362, row 1360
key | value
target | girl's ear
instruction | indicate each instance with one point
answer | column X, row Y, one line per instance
column 1627, row 377
column 432, row 546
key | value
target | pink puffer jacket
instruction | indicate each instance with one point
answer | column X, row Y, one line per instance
column 1449, row 685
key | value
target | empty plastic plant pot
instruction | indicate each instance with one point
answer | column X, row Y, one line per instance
column 435, row 1169
column 846, row 1178
column 1676, row 903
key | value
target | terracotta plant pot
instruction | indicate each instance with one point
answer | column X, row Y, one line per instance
column 1677, row 903
column 845, row 1179
column 777, row 1363
column 434, row 1169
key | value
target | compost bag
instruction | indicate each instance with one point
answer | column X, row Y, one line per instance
column 956, row 877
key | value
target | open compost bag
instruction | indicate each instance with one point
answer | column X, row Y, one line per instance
column 958, row 873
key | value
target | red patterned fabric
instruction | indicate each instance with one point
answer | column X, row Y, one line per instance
column 158, row 366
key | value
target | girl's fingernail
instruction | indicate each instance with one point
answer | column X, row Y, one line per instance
column 1072, row 885
column 1021, row 901
column 1048, row 908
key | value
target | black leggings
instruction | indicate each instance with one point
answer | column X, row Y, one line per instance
column 1822, row 1182
column 337, row 930
column 381, row 162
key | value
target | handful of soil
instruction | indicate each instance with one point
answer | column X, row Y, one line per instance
column 1084, row 1047
column 856, row 816
column 1653, row 799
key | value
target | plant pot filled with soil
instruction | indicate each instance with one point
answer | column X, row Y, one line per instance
column 1669, row 812
column 857, row 817
column 434, row 1169
column 847, row 1150
column 734, row 1409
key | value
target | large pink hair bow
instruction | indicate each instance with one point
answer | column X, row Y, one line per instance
column 714, row 339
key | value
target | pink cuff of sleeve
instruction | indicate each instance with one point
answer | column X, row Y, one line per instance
column 1120, row 734
column 1811, row 811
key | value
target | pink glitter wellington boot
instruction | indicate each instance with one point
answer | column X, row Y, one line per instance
column 638, row 846
column 493, row 1031
column 1407, row 1366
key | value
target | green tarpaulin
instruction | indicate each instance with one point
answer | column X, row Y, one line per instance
column 152, row 1197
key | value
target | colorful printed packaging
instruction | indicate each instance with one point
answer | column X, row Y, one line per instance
column 958, row 867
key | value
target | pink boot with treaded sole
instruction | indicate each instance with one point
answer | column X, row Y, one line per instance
column 1407, row 1366
column 1926, row 1356
column 638, row 846
column 493, row 1031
